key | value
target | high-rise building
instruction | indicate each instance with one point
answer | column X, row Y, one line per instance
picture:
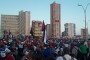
column 17, row 24
column 48, row 31
column 37, row 28
column 55, row 20
column 24, row 22
column 83, row 33
column 70, row 30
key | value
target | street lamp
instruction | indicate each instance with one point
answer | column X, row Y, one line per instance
column 85, row 9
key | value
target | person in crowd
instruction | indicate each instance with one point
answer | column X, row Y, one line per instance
column 66, row 54
column 38, row 54
column 75, row 50
column 30, row 56
column 60, row 56
column 49, row 53
column 20, row 51
column 83, row 50
column 9, row 55
column 2, row 51
column 25, row 55
column 88, row 57
column 2, row 55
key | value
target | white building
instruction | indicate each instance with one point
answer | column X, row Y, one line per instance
column 70, row 30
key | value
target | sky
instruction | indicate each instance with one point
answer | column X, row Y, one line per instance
column 40, row 10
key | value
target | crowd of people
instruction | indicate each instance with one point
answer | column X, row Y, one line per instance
column 35, row 49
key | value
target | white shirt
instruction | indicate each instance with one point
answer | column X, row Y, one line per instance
column 66, row 45
column 67, row 56
column 75, row 59
column 20, row 46
column 59, row 58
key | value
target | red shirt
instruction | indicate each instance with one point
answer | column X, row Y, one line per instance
column 10, row 57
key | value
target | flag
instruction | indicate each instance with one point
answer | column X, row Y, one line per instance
column 45, row 37
column 43, row 29
column 31, row 32
column 43, row 26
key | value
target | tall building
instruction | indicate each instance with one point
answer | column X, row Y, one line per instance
column 48, row 31
column 83, row 33
column 70, row 30
column 55, row 20
column 10, row 22
column 37, row 28
column 24, row 22
column 17, row 24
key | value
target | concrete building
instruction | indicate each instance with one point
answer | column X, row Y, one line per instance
column 10, row 22
column 83, row 33
column 24, row 22
column 37, row 27
column 48, row 31
column 70, row 30
column 55, row 20
column 17, row 24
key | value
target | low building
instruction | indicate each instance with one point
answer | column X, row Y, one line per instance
column 37, row 28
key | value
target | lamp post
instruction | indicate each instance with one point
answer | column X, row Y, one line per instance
column 85, row 9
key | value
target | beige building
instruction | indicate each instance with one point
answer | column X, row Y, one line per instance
column 55, row 20
column 10, row 22
column 48, row 31
column 37, row 27
column 17, row 24
column 24, row 22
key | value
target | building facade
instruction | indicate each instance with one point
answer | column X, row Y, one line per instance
column 24, row 22
column 10, row 22
column 17, row 24
column 48, row 31
column 70, row 30
column 55, row 20
column 37, row 28
column 84, row 33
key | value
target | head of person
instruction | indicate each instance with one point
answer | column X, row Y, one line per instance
column 59, row 53
column 2, row 54
column 26, row 53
